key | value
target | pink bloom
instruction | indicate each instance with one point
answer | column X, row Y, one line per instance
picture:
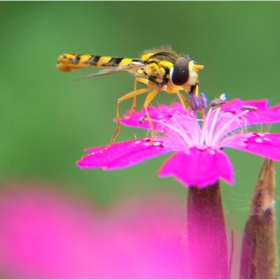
column 198, row 143
column 44, row 234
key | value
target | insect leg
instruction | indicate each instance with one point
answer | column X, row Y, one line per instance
column 127, row 96
column 141, row 81
column 182, row 98
column 148, row 100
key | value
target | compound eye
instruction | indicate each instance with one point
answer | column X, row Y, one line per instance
column 180, row 72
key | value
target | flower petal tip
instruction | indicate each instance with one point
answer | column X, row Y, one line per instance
column 198, row 167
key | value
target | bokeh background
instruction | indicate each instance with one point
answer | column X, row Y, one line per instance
column 47, row 119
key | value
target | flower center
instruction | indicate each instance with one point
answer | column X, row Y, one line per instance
column 202, row 133
column 216, row 137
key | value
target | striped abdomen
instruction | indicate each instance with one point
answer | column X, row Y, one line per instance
column 70, row 61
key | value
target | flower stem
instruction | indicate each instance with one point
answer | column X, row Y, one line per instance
column 259, row 247
column 206, row 233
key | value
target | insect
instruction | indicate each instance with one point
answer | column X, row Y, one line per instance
column 158, row 69
column 222, row 99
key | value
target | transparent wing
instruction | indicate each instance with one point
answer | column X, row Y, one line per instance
column 132, row 67
column 165, row 47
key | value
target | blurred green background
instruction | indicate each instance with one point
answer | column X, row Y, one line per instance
column 47, row 119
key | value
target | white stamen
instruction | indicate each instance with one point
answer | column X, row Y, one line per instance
column 183, row 135
column 204, row 127
column 213, row 124
column 221, row 132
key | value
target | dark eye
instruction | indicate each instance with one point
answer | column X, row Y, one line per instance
column 180, row 72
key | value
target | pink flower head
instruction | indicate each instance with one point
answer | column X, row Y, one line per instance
column 198, row 143
column 49, row 234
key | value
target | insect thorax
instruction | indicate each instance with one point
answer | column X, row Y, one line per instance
column 157, row 72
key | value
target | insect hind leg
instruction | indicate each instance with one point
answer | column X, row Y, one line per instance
column 127, row 96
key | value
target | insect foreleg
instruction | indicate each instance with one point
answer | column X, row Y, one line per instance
column 181, row 98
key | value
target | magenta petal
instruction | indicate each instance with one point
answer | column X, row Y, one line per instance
column 200, row 168
column 262, row 144
column 135, row 120
column 262, row 115
column 124, row 154
column 236, row 104
column 162, row 113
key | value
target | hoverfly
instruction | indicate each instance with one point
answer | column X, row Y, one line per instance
column 158, row 69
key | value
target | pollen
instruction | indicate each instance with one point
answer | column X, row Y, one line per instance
column 260, row 134
column 158, row 144
column 160, row 116
column 147, row 144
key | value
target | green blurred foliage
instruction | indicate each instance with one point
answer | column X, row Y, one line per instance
column 47, row 119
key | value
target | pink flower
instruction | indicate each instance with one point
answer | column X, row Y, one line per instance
column 198, row 143
column 46, row 234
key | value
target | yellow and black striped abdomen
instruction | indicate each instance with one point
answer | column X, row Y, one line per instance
column 70, row 61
